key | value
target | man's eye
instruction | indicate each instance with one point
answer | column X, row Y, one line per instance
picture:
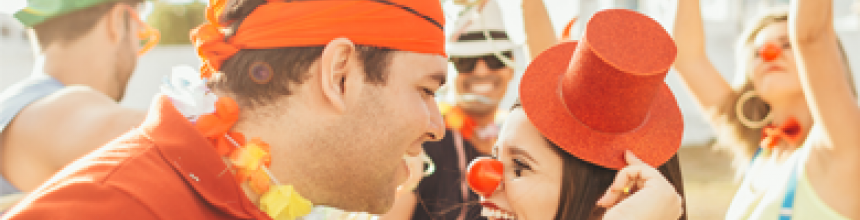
column 428, row 92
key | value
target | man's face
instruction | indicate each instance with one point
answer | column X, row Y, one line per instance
column 363, row 150
column 481, row 83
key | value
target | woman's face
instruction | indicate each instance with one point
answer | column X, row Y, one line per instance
column 777, row 79
column 531, row 187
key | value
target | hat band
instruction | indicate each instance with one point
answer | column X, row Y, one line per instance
column 481, row 36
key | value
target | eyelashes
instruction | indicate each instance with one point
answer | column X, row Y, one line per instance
column 520, row 166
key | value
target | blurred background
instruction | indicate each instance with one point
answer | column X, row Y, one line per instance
column 708, row 175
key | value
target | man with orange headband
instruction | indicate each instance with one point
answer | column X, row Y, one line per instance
column 69, row 105
column 302, row 110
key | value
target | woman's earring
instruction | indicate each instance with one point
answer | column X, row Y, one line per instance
column 431, row 168
column 743, row 118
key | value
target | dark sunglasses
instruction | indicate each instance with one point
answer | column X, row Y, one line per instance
column 467, row 64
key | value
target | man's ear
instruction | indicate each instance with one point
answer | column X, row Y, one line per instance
column 115, row 22
column 336, row 60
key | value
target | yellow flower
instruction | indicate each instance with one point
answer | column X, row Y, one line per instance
column 444, row 108
column 250, row 157
column 284, row 203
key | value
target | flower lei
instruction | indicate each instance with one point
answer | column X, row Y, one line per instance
column 214, row 117
column 790, row 131
column 457, row 119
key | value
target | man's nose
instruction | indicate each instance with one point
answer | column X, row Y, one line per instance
column 435, row 123
column 481, row 68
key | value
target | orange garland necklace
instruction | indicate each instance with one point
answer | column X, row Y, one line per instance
column 249, row 160
column 457, row 119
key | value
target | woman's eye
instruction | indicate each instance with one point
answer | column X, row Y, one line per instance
column 519, row 167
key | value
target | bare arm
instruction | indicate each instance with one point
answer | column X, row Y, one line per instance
column 89, row 120
column 699, row 74
column 823, row 74
column 540, row 34
column 834, row 165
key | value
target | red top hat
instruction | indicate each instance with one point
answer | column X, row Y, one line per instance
column 605, row 94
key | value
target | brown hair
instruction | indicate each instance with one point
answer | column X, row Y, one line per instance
column 72, row 26
column 583, row 183
column 290, row 64
column 742, row 141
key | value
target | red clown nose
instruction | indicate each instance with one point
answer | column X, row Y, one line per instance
column 484, row 175
column 770, row 51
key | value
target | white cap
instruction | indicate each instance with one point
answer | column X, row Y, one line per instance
column 484, row 22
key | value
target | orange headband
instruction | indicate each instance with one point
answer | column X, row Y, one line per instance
column 405, row 25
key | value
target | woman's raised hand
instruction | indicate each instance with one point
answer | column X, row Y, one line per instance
column 654, row 198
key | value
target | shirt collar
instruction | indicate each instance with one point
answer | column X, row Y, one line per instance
column 195, row 159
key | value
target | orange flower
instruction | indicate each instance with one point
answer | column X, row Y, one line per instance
column 218, row 123
column 249, row 162
column 259, row 181
column 456, row 119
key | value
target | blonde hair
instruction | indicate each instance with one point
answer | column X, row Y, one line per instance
column 739, row 139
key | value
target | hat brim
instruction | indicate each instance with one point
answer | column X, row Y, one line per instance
column 655, row 141
column 479, row 48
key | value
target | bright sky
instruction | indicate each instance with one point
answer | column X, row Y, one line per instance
column 10, row 6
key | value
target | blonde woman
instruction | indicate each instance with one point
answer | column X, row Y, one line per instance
column 792, row 124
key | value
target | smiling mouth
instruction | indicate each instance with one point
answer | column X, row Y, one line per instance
column 494, row 212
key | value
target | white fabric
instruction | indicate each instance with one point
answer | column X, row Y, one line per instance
column 488, row 19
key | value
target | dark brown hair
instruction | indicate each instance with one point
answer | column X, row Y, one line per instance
column 290, row 64
column 583, row 183
column 72, row 26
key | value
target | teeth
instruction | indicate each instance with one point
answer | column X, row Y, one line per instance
column 497, row 214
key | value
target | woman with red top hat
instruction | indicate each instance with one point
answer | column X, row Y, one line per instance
column 567, row 152
column 791, row 117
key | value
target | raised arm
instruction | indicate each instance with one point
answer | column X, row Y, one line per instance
column 540, row 34
column 823, row 74
column 835, row 162
column 692, row 63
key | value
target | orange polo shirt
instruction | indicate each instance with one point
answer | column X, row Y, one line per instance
column 162, row 170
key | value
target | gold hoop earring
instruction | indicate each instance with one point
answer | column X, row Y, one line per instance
column 742, row 117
